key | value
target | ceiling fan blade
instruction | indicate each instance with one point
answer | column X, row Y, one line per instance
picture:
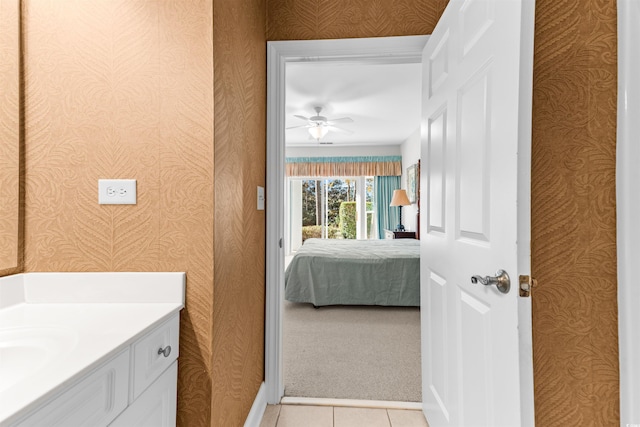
column 301, row 117
column 341, row 120
column 296, row 127
column 340, row 130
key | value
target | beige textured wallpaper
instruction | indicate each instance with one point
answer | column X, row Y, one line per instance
column 573, row 214
column 124, row 89
column 240, row 161
column 9, row 134
column 332, row 19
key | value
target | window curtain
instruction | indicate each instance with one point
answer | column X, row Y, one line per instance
column 387, row 216
column 344, row 166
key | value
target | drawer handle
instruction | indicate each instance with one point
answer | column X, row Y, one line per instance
column 165, row 351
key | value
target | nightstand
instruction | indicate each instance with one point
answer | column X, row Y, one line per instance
column 390, row 234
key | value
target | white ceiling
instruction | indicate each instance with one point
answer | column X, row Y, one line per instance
column 382, row 99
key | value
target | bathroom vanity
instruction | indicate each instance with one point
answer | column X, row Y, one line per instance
column 89, row 349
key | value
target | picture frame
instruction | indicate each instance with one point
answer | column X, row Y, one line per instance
column 411, row 183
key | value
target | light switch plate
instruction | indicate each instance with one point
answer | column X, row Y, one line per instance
column 260, row 198
column 117, row 192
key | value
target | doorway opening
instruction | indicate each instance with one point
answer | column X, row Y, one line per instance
column 380, row 50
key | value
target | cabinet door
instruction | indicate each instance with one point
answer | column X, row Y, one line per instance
column 156, row 407
column 93, row 402
column 148, row 362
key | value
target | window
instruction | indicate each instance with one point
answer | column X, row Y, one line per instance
column 330, row 208
column 369, row 208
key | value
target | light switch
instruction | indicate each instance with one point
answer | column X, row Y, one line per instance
column 260, row 198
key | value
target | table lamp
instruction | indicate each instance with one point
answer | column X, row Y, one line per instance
column 400, row 199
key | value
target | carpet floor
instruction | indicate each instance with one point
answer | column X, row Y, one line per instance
column 352, row 352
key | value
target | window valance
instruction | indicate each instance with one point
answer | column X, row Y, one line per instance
column 344, row 166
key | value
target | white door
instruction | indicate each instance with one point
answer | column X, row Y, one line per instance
column 470, row 125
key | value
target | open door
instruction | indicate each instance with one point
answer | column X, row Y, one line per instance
column 472, row 195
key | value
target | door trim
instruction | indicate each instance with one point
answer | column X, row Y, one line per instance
column 628, row 209
column 405, row 49
column 525, row 123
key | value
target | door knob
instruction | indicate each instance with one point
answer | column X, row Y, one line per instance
column 501, row 280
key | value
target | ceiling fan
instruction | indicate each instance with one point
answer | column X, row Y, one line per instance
column 319, row 125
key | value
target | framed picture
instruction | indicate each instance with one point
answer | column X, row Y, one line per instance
column 411, row 183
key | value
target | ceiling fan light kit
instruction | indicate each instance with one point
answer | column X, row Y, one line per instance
column 318, row 126
column 318, row 132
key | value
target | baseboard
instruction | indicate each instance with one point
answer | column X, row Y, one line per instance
column 352, row 403
column 257, row 409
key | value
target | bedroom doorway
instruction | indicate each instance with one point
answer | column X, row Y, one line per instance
column 380, row 50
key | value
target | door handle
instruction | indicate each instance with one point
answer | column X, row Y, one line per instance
column 501, row 280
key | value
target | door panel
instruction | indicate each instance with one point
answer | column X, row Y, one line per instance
column 435, row 378
column 475, row 349
column 436, row 164
column 470, row 143
column 474, row 139
column 439, row 64
column 476, row 17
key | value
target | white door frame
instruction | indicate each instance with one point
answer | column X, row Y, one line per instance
column 525, row 124
column 386, row 50
column 628, row 209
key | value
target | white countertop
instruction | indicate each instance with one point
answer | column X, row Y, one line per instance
column 81, row 319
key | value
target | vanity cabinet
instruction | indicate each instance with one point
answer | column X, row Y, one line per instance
column 93, row 401
column 137, row 387
column 156, row 407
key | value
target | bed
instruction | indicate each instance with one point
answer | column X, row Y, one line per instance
column 355, row 272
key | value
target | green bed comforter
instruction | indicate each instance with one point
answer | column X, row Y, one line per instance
column 355, row 272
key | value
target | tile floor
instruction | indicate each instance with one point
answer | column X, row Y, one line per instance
column 335, row 416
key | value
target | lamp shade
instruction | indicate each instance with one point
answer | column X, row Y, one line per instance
column 400, row 198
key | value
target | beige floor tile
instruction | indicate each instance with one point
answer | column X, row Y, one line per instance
column 360, row 417
column 404, row 418
column 305, row 416
column 270, row 417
